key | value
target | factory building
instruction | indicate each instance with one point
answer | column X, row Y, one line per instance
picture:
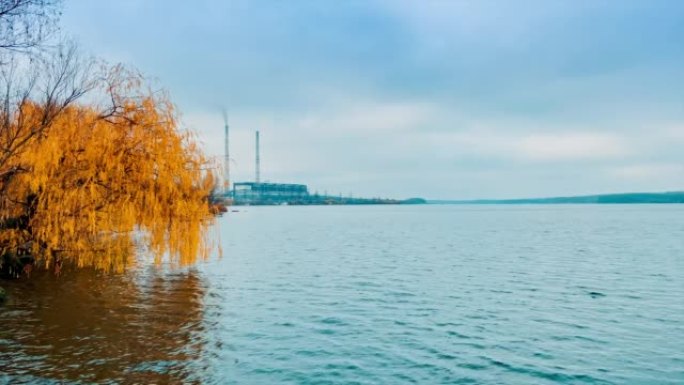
column 252, row 193
column 258, row 193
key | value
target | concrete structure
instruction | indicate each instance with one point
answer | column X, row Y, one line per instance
column 257, row 169
column 257, row 193
column 226, row 160
column 253, row 193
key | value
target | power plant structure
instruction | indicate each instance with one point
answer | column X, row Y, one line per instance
column 252, row 193
column 257, row 193
column 226, row 159
column 257, row 169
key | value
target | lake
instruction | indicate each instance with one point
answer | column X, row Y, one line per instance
column 430, row 294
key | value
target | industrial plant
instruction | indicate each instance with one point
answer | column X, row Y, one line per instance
column 256, row 193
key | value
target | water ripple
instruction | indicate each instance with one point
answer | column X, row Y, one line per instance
column 376, row 295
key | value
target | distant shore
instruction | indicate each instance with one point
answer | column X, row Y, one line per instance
column 622, row 198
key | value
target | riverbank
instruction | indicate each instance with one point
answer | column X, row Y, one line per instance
column 623, row 198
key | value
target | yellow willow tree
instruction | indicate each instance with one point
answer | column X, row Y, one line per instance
column 104, row 180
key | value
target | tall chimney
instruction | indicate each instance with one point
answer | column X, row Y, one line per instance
column 226, row 160
column 258, row 160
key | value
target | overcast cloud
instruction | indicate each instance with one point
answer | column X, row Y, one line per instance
column 449, row 99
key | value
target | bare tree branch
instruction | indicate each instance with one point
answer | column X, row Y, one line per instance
column 55, row 80
column 25, row 24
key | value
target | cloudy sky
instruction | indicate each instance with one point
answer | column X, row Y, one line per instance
column 439, row 99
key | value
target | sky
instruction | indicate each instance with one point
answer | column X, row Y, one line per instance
column 435, row 99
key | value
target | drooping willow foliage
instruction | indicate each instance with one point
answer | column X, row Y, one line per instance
column 103, row 178
column 93, row 164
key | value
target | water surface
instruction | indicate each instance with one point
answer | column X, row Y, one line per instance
column 376, row 295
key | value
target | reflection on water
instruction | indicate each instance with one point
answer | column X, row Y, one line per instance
column 83, row 326
column 375, row 295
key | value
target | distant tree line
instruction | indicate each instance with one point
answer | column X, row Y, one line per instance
column 624, row 198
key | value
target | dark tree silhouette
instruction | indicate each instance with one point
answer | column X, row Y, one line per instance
column 26, row 24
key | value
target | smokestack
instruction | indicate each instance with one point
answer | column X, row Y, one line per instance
column 258, row 160
column 226, row 160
